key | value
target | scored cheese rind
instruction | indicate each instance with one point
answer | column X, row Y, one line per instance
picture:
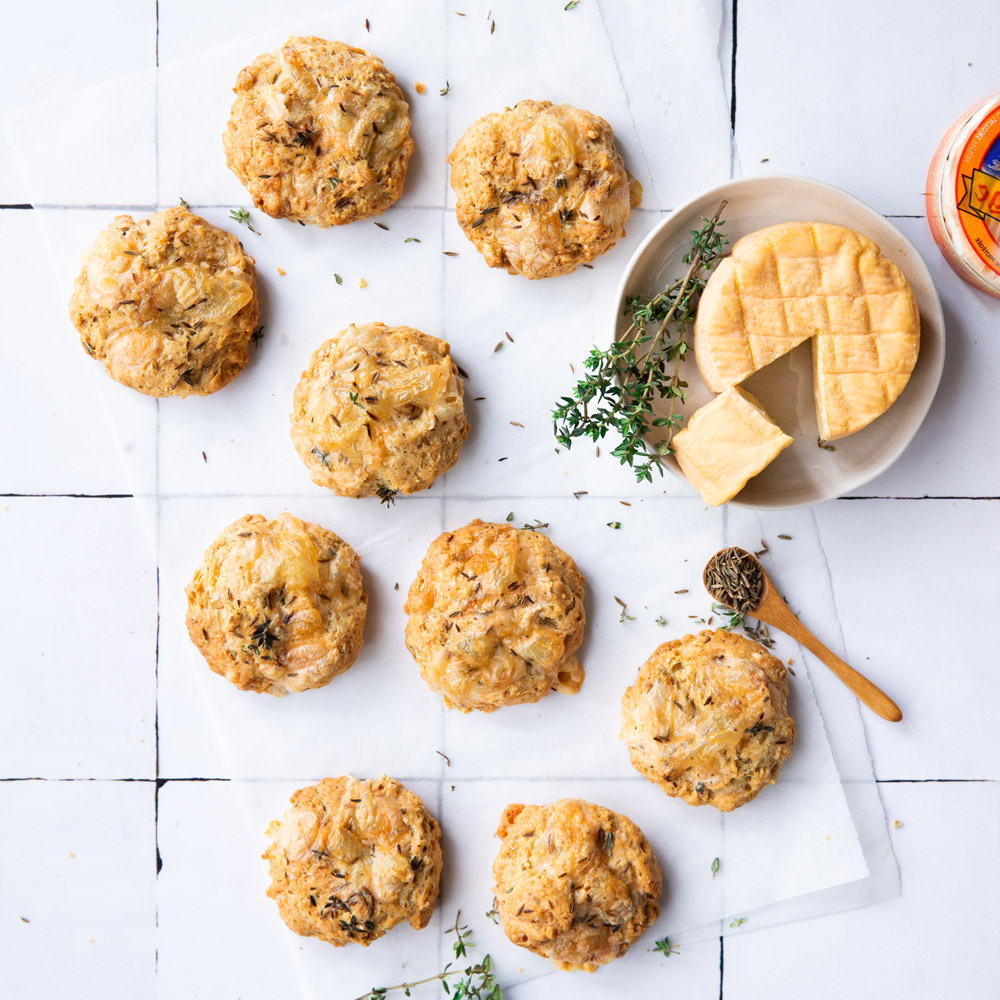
column 812, row 281
column 725, row 443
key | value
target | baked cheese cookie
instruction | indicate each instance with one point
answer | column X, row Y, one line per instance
column 168, row 304
column 352, row 858
column 277, row 605
column 378, row 411
column 495, row 616
column 540, row 188
column 813, row 281
column 706, row 719
column 574, row 882
column 319, row 133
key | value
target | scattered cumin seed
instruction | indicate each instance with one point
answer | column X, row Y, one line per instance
column 500, row 344
column 449, row 253
column 787, row 538
column 204, row 458
column 382, row 225
column 515, row 423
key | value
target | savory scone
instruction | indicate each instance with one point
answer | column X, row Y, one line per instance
column 277, row 606
column 706, row 719
column 352, row 858
column 379, row 411
column 540, row 188
column 319, row 133
column 574, row 882
column 168, row 303
column 725, row 443
column 495, row 616
column 813, row 281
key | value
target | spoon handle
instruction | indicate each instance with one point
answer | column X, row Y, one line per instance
column 876, row 699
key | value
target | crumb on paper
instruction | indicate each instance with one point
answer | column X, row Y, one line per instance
column 896, row 824
column 789, row 661
column 281, row 271
column 419, row 88
column 72, row 855
column 362, row 283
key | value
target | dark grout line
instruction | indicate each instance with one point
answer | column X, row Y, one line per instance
column 71, row 496
column 926, row 496
column 732, row 92
column 465, row 779
column 935, row 781
column 17, row 207
column 722, row 964
column 467, row 498
column 159, row 782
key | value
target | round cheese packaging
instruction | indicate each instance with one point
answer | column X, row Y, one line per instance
column 963, row 196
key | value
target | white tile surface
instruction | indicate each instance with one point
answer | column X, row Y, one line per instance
column 946, row 849
column 120, row 39
column 78, row 869
column 888, row 631
column 84, row 703
column 855, row 93
column 56, row 439
column 84, row 641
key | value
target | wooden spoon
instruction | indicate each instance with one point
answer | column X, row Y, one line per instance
column 774, row 611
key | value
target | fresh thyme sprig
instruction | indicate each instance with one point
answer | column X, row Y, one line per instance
column 623, row 383
column 477, row 983
column 242, row 216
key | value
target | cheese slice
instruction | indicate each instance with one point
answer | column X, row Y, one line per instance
column 812, row 281
column 725, row 443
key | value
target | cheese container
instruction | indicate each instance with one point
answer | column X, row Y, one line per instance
column 963, row 196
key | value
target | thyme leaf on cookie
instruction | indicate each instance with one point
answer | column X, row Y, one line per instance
column 477, row 982
column 242, row 216
column 624, row 382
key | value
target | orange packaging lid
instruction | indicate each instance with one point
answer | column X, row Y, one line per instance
column 963, row 196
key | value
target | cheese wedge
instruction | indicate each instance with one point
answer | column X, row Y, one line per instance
column 725, row 443
column 812, row 281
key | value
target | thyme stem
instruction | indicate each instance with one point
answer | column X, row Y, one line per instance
column 479, row 983
column 621, row 387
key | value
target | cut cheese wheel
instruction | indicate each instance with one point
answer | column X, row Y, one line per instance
column 812, row 281
column 725, row 443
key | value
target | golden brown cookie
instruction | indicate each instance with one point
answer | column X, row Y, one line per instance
column 352, row 858
column 278, row 605
column 574, row 882
column 706, row 719
column 540, row 188
column 168, row 304
column 496, row 614
column 319, row 133
column 378, row 411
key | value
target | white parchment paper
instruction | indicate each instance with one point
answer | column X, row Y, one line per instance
column 199, row 463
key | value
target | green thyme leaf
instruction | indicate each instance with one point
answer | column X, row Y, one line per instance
column 623, row 383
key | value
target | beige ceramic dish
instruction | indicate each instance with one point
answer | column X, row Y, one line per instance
column 803, row 474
